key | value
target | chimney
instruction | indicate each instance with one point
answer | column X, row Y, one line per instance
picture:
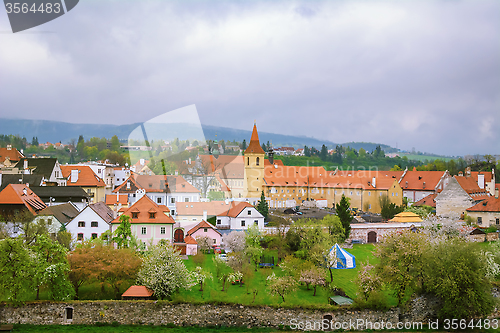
column 0, row 179
column 205, row 215
column 9, row 147
column 25, row 166
column 141, row 161
column 190, row 161
column 270, row 153
column 496, row 192
column 461, row 174
column 74, row 175
column 467, row 172
column 374, row 184
column 480, row 181
column 117, row 196
column 423, row 186
column 176, row 172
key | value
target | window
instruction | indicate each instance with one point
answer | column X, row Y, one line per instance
column 80, row 237
column 369, row 206
column 158, row 200
column 94, row 224
column 242, row 223
column 205, row 229
column 49, row 221
column 287, row 191
column 479, row 220
column 162, row 230
column 350, row 193
column 256, row 222
column 94, row 236
column 81, row 224
column 257, row 160
column 248, row 160
column 135, row 215
column 249, row 212
column 498, row 221
column 172, row 200
column 152, row 215
column 219, row 221
column 143, row 230
column 186, row 200
column 369, row 194
column 215, row 241
column 173, row 212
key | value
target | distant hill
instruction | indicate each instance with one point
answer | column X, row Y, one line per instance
column 55, row 131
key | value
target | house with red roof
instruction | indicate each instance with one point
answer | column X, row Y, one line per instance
column 486, row 212
column 240, row 216
column 205, row 229
column 429, row 200
column 163, row 190
column 9, row 156
column 150, row 222
column 16, row 198
column 417, row 185
column 91, row 222
column 84, row 177
column 461, row 193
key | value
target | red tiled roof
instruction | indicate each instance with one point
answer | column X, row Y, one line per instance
column 469, row 185
column 236, row 209
column 414, row 180
column 202, row 224
column 12, row 153
column 490, row 204
column 144, row 206
column 487, row 175
column 118, row 199
column 86, row 177
column 20, row 194
column 190, row 240
column 427, row 201
column 254, row 146
column 138, row 291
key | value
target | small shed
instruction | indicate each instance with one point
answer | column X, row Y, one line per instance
column 138, row 292
column 406, row 217
column 477, row 235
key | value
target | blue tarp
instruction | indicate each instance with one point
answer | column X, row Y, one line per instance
column 339, row 258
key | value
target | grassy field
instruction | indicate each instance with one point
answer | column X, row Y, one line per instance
column 422, row 158
column 342, row 278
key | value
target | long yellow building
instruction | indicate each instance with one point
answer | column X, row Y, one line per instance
column 286, row 186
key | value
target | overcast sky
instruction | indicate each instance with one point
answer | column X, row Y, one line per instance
column 423, row 74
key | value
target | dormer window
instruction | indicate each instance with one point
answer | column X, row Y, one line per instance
column 152, row 215
column 135, row 215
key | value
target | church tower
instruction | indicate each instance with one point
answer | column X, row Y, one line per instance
column 254, row 166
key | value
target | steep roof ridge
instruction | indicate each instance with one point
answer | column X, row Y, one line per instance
column 254, row 146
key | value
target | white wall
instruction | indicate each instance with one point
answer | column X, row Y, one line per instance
column 88, row 216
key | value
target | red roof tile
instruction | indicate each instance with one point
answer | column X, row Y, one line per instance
column 20, row 194
column 12, row 153
column 421, row 180
column 143, row 207
column 427, row 201
column 490, row 204
column 86, row 177
column 202, row 224
column 118, row 199
column 236, row 209
column 138, row 291
column 190, row 240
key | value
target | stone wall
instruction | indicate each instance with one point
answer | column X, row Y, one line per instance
column 453, row 200
column 158, row 313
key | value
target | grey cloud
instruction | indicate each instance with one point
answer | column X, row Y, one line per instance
column 422, row 74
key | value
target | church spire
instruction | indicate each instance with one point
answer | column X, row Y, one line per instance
column 254, row 146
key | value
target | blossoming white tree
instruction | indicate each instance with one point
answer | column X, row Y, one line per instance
column 164, row 272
